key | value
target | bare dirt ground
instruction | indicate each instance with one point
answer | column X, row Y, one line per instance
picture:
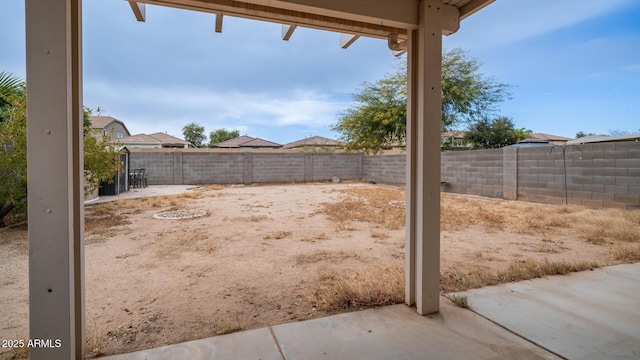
column 266, row 255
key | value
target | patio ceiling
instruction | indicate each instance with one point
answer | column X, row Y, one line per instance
column 371, row 18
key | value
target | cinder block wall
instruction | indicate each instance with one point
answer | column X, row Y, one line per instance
column 598, row 175
column 209, row 168
column 385, row 169
column 167, row 167
column 473, row 172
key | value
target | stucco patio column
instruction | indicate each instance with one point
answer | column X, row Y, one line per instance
column 55, row 188
column 423, row 160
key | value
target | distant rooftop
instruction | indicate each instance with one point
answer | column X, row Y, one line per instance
column 311, row 142
column 550, row 137
column 155, row 138
column 247, row 141
column 604, row 138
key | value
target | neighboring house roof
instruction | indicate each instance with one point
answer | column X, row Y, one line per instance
column 160, row 139
column 532, row 143
column 168, row 139
column 102, row 122
column 604, row 138
column 235, row 142
column 456, row 134
column 312, row 141
column 257, row 142
column 246, row 141
column 543, row 136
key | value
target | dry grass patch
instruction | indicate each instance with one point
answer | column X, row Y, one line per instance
column 373, row 205
column 457, row 213
column 625, row 253
column 516, row 270
column 454, row 281
column 226, row 327
column 356, row 289
column 595, row 226
column 519, row 270
column 277, row 235
column 317, row 256
column 173, row 244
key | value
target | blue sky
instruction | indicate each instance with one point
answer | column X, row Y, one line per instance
column 574, row 66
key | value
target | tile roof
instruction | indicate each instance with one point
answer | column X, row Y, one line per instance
column 246, row 141
column 139, row 138
column 543, row 136
column 604, row 138
column 312, row 141
column 257, row 142
column 166, row 138
column 156, row 138
column 101, row 122
column 235, row 142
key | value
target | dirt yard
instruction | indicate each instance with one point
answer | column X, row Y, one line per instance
column 266, row 255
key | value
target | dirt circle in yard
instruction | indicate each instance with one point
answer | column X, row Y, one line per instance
column 179, row 214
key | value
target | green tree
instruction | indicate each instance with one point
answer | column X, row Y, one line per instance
column 101, row 159
column 194, row 134
column 13, row 150
column 580, row 134
column 220, row 135
column 378, row 119
column 522, row 133
column 490, row 134
column 10, row 87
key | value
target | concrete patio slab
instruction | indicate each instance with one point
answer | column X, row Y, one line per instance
column 587, row 315
column 398, row 332
column 149, row 191
column 252, row 344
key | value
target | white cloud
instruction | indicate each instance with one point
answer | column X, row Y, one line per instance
column 506, row 22
column 168, row 109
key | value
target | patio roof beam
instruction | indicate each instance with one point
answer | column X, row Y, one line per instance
column 284, row 16
column 347, row 39
column 139, row 10
column 472, row 7
column 287, row 31
column 218, row 22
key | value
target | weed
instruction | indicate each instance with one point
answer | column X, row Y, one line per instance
column 227, row 327
column 459, row 300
